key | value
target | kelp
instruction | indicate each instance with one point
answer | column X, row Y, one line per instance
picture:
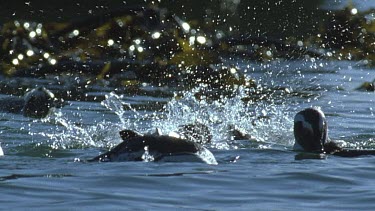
column 150, row 45
column 367, row 86
column 137, row 44
column 348, row 35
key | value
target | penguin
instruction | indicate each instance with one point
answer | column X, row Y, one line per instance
column 155, row 147
column 311, row 135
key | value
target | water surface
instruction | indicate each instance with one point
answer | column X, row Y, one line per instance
column 40, row 168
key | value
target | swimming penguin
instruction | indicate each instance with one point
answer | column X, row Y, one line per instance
column 200, row 133
column 137, row 147
column 36, row 103
column 311, row 135
column 238, row 133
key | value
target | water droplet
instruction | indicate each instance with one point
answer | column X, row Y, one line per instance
column 156, row 35
column 191, row 40
column 38, row 31
column 29, row 52
column 185, row 27
column 46, row 55
column 26, row 25
column 75, row 32
column 15, row 61
column 354, row 11
column 137, row 41
column 110, row 42
column 53, row 61
column 201, row 39
column 20, row 56
column 32, row 34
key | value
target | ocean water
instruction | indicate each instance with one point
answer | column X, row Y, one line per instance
column 44, row 169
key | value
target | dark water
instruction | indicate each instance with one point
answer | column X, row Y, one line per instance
column 39, row 170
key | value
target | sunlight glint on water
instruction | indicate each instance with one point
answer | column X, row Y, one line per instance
column 266, row 122
column 220, row 115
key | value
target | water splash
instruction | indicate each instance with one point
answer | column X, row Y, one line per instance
column 114, row 103
column 207, row 156
column 147, row 157
column 103, row 134
column 265, row 121
column 1, row 151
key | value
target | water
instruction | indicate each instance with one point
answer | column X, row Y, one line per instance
column 359, row 4
column 40, row 169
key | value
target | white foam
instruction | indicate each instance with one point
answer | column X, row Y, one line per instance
column 207, row 156
column 1, row 151
column 265, row 121
column 203, row 155
column 147, row 157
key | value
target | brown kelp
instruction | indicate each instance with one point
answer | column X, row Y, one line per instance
column 151, row 45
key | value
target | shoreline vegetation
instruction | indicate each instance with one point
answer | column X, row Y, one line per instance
column 134, row 46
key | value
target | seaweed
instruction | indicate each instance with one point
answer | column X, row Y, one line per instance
column 158, row 47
